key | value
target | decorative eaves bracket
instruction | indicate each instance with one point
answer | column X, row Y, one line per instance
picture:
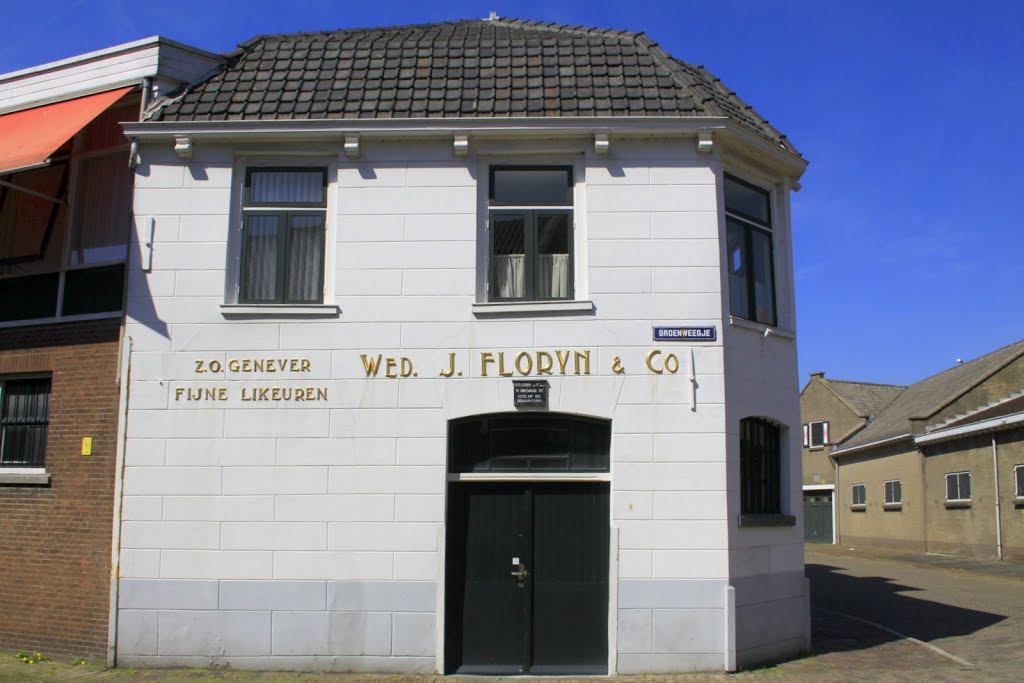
column 601, row 143
column 352, row 145
column 705, row 143
column 460, row 145
column 183, row 147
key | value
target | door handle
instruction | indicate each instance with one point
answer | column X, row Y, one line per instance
column 520, row 573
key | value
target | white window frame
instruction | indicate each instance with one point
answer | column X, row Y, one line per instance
column 809, row 435
column 854, row 505
column 958, row 474
column 889, row 486
column 575, row 158
column 232, row 280
column 1018, row 470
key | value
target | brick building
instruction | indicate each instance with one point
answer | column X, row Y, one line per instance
column 65, row 218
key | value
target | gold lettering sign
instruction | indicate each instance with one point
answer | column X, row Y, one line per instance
column 246, row 365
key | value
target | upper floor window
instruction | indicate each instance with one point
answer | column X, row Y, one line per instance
column 24, row 418
column 1018, row 473
column 751, row 264
column 958, row 486
column 283, row 232
column 815, row 434
column 760, row 467
column 530, row 229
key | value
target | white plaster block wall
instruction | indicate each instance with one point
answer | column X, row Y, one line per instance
column 353, row 488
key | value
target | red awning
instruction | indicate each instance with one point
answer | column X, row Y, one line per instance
column 30, row 137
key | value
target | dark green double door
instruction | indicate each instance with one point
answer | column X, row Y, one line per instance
column 818, row 517
column 527, row 578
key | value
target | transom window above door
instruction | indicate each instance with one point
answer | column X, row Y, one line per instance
column 283, row 234
column 518, row 442
column 530, row 228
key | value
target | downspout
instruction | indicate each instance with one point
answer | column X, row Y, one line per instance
column 999, row 511
column 835, row 499
column 124, row 376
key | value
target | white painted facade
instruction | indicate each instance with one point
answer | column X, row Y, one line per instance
column 311, row 535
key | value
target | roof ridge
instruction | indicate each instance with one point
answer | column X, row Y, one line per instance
column 869, row 384
column 949, row 399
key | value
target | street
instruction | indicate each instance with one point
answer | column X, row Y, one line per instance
column 873, row 619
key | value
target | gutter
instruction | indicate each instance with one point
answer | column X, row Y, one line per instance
column 871, row 444
column 992, row 425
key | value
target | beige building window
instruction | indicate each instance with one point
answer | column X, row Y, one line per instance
column 815, row 434
column 1018, row 473
column 893, row 491
column 858, row 497
column 958, row 487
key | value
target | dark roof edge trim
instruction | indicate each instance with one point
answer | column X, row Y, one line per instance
column 871, row 444
column 994, row 424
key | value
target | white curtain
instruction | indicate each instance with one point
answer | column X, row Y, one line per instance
column 509, row 276
column 553, row 276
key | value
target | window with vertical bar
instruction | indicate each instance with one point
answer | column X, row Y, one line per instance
column 760, row 467
column 283, row 233
column 530, row 222
column 24, row 419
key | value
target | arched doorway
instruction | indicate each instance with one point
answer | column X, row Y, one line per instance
column 527, row 544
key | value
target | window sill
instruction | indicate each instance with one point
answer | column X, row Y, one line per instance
column 279, row 311
column 892, row 506
column 858, row 508
column 1018, row 502
column 955, row 504
column 764, row 329
column 532, row 307
column 26, row 476
column 749, row 520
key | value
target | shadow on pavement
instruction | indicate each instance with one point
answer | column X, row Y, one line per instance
column 880, row 600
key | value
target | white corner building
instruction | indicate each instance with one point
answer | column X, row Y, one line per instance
column 463, row 347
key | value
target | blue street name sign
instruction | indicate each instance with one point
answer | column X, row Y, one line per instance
column 709, row 333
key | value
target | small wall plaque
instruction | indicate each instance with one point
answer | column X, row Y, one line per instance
column 530, row 394
column 686, row 334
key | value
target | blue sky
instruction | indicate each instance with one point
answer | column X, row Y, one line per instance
column 909, row 243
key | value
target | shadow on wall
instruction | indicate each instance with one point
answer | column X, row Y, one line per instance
column 882, row 601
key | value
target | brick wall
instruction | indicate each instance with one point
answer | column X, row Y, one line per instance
column 55, row 540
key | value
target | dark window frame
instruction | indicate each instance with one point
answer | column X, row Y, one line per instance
column 469, row 453
column 9, row 424
column 760, row 467
column 283, row 212
column 749, row 226
column 530, row 218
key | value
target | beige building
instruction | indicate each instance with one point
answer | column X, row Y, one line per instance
column 832, row 411
column 938, row 468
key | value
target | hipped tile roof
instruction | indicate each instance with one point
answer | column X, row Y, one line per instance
column 461, row 69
